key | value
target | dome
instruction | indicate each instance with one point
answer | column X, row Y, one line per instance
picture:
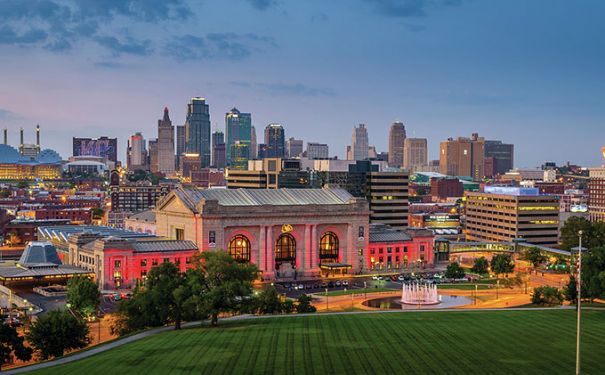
column 48, row 156
column 8, row 154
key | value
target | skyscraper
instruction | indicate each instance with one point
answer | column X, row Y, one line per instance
column 415, row 154
column 153, row 155
column 502, row 154
column 137, row 157
column 219, row 159
column 253, row 143
column 197, row 129
column 359, row 143
column 294, row 148
column 238, row 128
column 396, row 144
column 275, row 139
column 181, row 143
column 463, row 157
column 166, row 162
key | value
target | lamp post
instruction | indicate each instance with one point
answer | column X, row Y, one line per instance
column 476, row 287
column 365, row 289
column 579, row 302
column 326, row 299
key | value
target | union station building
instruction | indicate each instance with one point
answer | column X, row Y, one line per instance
column 285, row 232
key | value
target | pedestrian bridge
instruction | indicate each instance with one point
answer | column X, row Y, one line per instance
column 452, row 247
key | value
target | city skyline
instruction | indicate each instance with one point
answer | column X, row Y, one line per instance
column 456, row 68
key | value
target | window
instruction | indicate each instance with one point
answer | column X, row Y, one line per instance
column 154, row 262
column 360, row 252
column 285, row 250
column 166, row 260
column 177, row 261
column 143, row 262
column 179, row 234
column 361, row 232
column 389, row 250
column 212, row 237
column 380, row 250
column 421, row 248
column 328, row 248
column 239, row 248
column 117, row 263
column 372, row 251
column 405, row 249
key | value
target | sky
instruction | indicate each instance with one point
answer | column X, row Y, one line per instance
column 524, row 72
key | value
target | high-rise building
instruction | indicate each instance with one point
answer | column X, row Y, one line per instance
column 415, row 155
column 253, row 143
column 166, row 162
column 502, row 155
column 317, row 150
column 137, row 156
column 181, row 144
column 197, row 130
column 153, row 155
column 359, row 143
column 240, row 152
column 219, row 158
column 275, row 139
column 463, row 157
column 507, row 213
column 294, row 148
column 596, row 193
column 388, row 196
column 238, row 128
column 396, row 144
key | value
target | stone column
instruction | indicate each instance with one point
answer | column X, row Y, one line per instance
column 314, row 255
column 304, row 252
column 270, row 252
column 261, row 249
column 350, row 244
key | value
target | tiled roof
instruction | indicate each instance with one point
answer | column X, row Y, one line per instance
column 259, row 197
column 384, row 233
column 163, row 245
column 146, row 216
column 62, row 232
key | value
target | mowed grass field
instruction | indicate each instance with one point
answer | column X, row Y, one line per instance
column 499, row 342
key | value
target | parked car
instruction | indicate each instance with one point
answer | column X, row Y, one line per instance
column 338, row 283
column 331, row 284
column 345, row 283
column 375, row 277
column 301, row 287
column 324, row 284
column 400, row 278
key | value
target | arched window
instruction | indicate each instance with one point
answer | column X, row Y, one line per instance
column 239, row 248
column 285, row 250
column 328, row 248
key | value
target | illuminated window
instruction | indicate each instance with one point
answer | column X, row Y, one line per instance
column 117, row 263
column 239, row 248
column 328, row 248
column 285, row 250
column 143, row 262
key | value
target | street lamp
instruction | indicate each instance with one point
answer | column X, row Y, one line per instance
column 326, row 299
column 579, row 287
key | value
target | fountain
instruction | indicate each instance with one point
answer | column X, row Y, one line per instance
column 419, row 294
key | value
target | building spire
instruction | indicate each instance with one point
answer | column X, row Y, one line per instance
column 166, row 116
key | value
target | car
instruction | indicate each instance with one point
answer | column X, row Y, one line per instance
column 117, row 297
column 393, row 278
column 324, row 284
column 316, row 286
column 345, row 283
column 375, row 277
column 338, row 283
column 331, row 284
column 400, row 278
column 301, row 287
column 379, row 277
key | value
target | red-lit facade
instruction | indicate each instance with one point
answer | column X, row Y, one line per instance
column 399, row 250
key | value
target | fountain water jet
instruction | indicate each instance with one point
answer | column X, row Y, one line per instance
column 417, row 294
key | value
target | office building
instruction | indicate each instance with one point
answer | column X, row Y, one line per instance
column 166, row 162
column 238, row 128
column 137, row 157
column 275, row 141
column 388, row 196
column 397, row 138
column 253, row 143
column 359, row 143
column 443, row 188
column 197, row 130
column 501, row 157
column 463, row 157
column 294, row 148
column 153, row 156
column 219, row 156
column 508, row 213
column 415, row 154
column 29, row 150
column 240, row 152
column 181, row 143
column 596, row 193
column 317, row 150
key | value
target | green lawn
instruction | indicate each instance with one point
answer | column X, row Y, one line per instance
column 500, row 342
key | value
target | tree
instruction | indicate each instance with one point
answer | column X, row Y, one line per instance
column 481, row 266
column 304, row 304
column 227, row 283
column 454, row 271
column 23, row 184
column 570, row 230
column 571, row 290
column 534, row 256
column 269, row 302
column 54, row 333
column 12, row 344
column 502, row 263
column 83, row 295
column 547, row 295
column 593, row 273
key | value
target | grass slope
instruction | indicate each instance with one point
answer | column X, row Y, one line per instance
column 501, row 342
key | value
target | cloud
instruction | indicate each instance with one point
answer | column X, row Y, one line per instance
column 227, row 46
column 409, row 8
column 5, row 114
column 296, row 89
column 475, row 99
column 9, row 35
column 262, row 4
column 129, row 46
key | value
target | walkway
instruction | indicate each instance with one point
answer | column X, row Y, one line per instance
column 126, row 340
